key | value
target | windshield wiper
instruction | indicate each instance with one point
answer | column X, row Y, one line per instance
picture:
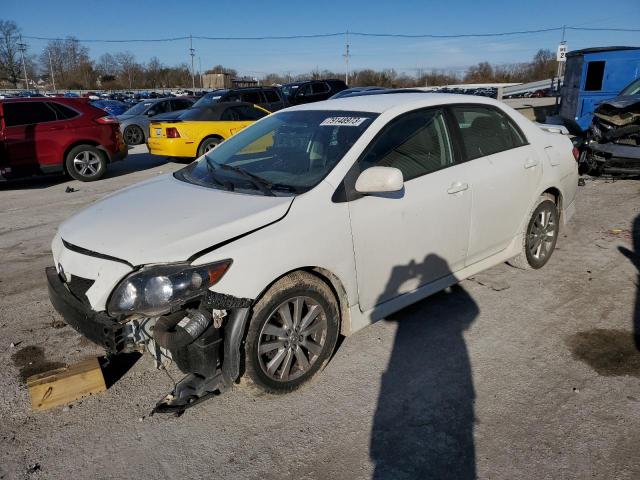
column 210, row 166
column 263, row 185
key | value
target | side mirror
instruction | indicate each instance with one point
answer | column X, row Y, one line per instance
column 151, row 113
column 380, row 180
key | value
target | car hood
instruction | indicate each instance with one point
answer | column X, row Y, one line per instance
column 168, row 220
column 620, row 103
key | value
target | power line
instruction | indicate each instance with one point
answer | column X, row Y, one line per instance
column 342, row 34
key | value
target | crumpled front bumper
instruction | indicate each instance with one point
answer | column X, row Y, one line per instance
column 98, row 327
column 616, row 158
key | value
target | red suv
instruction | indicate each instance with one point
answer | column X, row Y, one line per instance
column 53, row 135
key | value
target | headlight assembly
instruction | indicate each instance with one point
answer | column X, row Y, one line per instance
column 155, row 289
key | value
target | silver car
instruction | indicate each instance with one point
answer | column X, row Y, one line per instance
column 134, row 123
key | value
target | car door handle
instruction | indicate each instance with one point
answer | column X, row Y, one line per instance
column 457, row 187
column 530, row 163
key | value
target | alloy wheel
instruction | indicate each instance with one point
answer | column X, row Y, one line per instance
column 292, row 339
column 86, row 163
column 541, row 235
column 210, row 146
column 133, row 136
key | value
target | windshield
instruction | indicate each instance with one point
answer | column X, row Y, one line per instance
column 210, row 98
column 285, row 153
column 632, row 89
column 138, row 109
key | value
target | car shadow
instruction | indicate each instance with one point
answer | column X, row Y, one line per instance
column 634, row 257
column 134, row 162
column 423, row 424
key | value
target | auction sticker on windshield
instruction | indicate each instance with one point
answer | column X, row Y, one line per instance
column 343, row 121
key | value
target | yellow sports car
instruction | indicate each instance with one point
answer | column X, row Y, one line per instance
column 199, row 129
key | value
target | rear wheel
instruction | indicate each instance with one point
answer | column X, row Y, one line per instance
column 86, row 163
column 292, row 334
column 208, row 144
column 133, row 135
column 540, row 235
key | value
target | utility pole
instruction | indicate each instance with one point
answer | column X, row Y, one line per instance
column 53, row 80
column 346, row 58
column 560, row 70
column 23, row 47
column 192, row 52
column 200, row 73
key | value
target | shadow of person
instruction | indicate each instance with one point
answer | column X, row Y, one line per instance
column 423, row 424
column 634, row 257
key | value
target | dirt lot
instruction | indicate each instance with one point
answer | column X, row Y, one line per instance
column 510, row 375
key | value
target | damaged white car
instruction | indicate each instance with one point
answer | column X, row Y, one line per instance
column 311, row 223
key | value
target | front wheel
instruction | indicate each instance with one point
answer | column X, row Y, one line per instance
column 540, row 236
column 292, row 334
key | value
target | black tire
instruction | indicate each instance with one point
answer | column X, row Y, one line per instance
column 294, row 286
column 540, row 235
column 208, row 144
column 133, row 135
column 86, row 163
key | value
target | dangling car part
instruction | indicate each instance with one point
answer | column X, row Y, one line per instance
column 612, row 143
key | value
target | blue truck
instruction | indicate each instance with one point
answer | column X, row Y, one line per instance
column 593, row 75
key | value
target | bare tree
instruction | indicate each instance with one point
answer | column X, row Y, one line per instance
column 70, row 63
column 153, row 73
column 9, row 57
column 128, row 67
column 107, row 65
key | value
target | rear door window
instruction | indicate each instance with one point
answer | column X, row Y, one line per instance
column 318, row 88
column 62, row 111
column 271, row 96
column 27, row 113
column 180, row 104
column 161, row 107
column 595, row 74
column 486, row 131
column 251, row 97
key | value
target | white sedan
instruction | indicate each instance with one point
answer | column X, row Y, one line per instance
column 311, row 223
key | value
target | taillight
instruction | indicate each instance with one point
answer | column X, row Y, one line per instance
column 576, row 153
column 107, row 120
column 172, row 132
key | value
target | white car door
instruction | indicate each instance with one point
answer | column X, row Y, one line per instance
column 406, row 239
column 505, row 174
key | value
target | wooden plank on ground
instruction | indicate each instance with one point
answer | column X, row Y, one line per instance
column 65, row 385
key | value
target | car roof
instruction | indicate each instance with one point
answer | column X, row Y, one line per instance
column 71, row 100
column 155, row 100
column 584, row 51
column 387, row 101
column 302, row 82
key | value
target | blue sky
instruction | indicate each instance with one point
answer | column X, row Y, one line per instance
column 117, row 19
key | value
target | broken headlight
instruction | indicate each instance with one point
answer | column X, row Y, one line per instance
column 155, row 289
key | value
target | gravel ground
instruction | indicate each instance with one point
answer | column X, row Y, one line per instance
column 512, row 374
